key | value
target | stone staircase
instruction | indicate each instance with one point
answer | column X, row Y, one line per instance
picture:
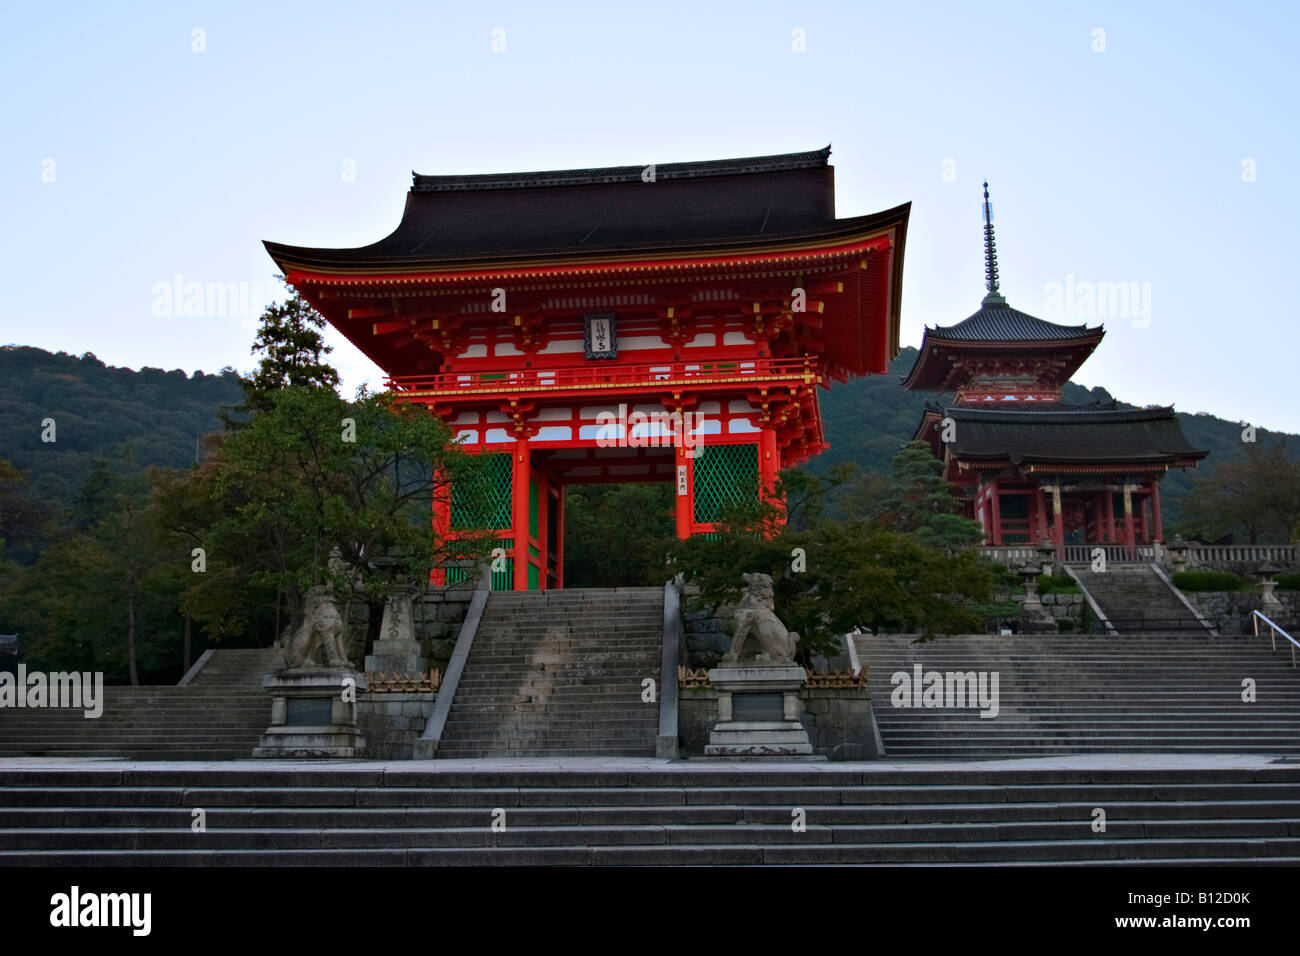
column 1136, row 600
column 1171, row 693
column 219, row 716
column 556, row 673
column 645, row 815
column 241, row 666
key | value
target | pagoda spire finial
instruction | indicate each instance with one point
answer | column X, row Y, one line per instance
column 990, row 255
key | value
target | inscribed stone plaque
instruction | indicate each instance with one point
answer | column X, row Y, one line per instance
column 757, row 706
column 309, row 711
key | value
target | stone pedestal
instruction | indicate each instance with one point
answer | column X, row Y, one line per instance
column 396, row 650
column 758, row 712
column 313, row 713
column 1034, row 618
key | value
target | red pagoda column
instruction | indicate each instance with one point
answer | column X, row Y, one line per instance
column 1129, row 540
column 519, row 511
column 1110, row 516
column 1058, row 526
column 995, row 506
column 1158, row 531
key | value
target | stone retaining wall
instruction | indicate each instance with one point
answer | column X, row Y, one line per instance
column 1062, row 606
column 1229, row 611
column 393, row 722
column 438, row 614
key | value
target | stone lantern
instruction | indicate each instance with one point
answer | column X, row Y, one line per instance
column 1034, row 618
column 1046, row 555
column 1178, row 553
column 1269, row 600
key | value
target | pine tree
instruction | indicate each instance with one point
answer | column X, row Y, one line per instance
column 291, row 342
column 290, row 337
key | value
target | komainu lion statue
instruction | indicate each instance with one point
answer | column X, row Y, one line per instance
column 759, row 636
column 321, row 628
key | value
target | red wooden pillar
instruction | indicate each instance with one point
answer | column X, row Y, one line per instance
column 1144, row 528
column 543, row 526
column 1058, row 526
column 1158, row 530
column 559, row 535
column 1129, row 540
column 685, row 500
column 519, row 511
column 995, row 504
column 1110, row 516
column 769, row 462
column 441, row 524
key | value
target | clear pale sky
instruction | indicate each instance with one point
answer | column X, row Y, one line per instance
column 1128, row 165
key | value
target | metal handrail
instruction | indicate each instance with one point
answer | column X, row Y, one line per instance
column 1256, row 617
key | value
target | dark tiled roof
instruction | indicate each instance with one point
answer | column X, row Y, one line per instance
column 943, row 408
column 998, row 322
column 1082, row 434
column 706, row 205
column 814, row 159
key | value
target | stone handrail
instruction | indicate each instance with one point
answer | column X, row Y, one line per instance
column 426, row 748
column 666, row 742
column 1224, row 553
column 1206, row 555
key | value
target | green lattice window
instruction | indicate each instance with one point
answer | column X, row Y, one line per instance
column 482, row 499
column 724, row 474
column 1013, row 513
column 503, row 578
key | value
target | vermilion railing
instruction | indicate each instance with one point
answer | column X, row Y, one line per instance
column 596, row 375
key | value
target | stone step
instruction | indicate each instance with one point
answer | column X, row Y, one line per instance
column 664, row 815
column 834, row 814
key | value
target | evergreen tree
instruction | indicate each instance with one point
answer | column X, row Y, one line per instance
column 292, row 346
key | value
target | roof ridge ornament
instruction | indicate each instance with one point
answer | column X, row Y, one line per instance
column 990, row 255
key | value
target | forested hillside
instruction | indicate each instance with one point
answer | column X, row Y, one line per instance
column 97, row 409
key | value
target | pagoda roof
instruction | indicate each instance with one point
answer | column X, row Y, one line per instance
column 508, row 218
column 997, row 328
column 997, row 322
column 1065, row 435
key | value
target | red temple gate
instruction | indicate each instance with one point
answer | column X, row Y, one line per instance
column 618, row 325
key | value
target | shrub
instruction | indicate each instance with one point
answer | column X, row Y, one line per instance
column 1060, row 583
column 1208, row 581
column 1288, row 582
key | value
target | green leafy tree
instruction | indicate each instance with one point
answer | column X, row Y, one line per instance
column 614, row 534
column 1257, row 496
column 26, row 522
column 313, row 476
column 917, row 500
column 96, row 599
column 832, row 574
